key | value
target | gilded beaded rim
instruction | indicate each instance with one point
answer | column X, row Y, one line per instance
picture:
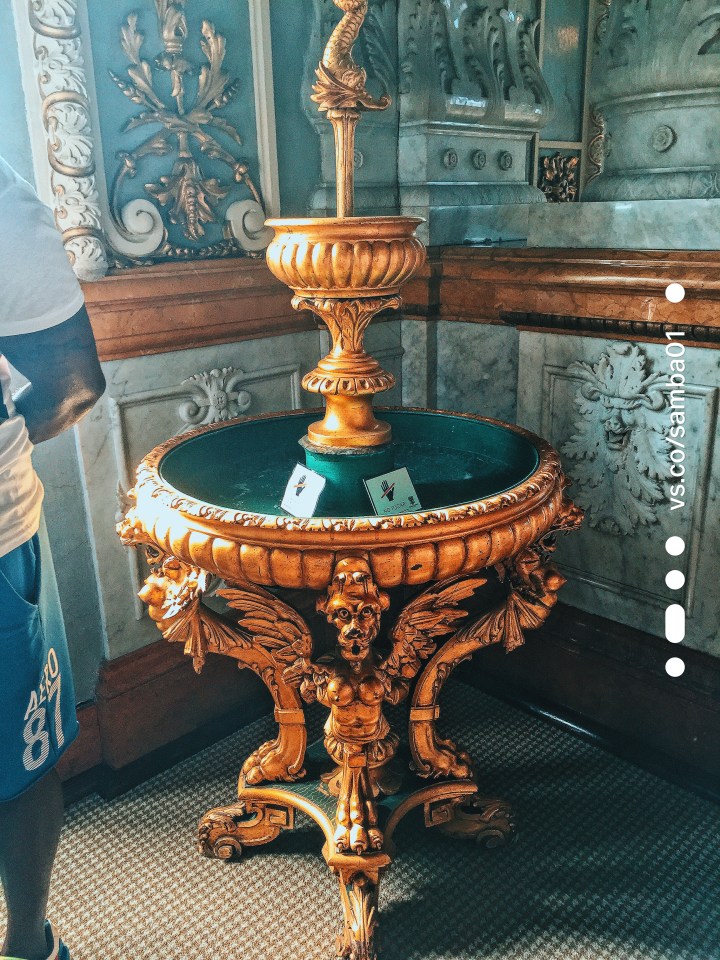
column 540, row 484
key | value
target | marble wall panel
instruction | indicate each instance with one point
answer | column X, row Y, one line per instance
column 606, row 406
column 147, row 401
column 15, row 141
column 57, row 463
column 565, row 30
column 419, row 364
column 477, row 369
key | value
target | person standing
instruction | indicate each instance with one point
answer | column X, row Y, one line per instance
column 45, row 335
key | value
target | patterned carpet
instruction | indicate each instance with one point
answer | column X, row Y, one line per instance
column 612, row 863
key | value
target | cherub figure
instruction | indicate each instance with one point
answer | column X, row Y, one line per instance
column 357, row 735
column 358, row 681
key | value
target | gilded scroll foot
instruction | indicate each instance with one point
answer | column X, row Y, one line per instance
column 225, row 831
column 435, row 756
column 489, row 822
column 359, row 894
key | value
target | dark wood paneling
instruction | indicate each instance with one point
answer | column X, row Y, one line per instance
column 152, row 704
column 177, row 306
column 610, row 679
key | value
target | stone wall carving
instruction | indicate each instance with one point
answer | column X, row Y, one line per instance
column 618, row 454
column 472, row 88
column 215, row 395
column 62, row 83
column 654, row 83
column 186, row 121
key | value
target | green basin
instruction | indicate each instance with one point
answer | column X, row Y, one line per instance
column 452, row 460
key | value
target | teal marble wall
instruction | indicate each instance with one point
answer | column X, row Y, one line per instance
column 297, row 141
column 14, row 138
column 116, row 110
column 564, row 66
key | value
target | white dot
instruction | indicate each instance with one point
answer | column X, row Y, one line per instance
column 675, row 546
column 675, row 292
column 675, row 667
column 675, row 579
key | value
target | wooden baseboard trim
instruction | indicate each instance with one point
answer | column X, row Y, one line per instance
column 151, row 711
column 606, row 682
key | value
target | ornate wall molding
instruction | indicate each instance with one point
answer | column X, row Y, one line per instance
column 609, row 293
column 617, row 456
column 51, row 46
column 472, row 62
column 472, row 96
column 654, row 91
column 612, row 327
column 188, row 123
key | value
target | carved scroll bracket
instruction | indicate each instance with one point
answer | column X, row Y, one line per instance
column 51, row 44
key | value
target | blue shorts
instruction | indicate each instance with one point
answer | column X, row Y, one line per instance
column 38, row 721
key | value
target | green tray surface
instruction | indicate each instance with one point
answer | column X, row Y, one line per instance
column 245, row 466
column 312, row 787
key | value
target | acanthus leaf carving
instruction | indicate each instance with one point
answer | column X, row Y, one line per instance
column 216, row 396
column 618, row 452
column 191, row 130
column 62, row 82
column 483, row 62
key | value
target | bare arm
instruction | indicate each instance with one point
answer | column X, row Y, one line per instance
column 65, row 376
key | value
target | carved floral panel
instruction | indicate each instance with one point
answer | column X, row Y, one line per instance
column 617, row 455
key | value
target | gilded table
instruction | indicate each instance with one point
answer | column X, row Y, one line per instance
column 205, row 506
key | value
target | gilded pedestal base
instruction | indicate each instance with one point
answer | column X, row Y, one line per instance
column 355, row 785
column 261, row 813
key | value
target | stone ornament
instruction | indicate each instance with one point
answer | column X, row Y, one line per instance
column 62, row 82
column 663, row 137
column 191, row 130
column 505, row 160
column 216, row 396
column 479, row 159
column 450, row 159
column 618, row 453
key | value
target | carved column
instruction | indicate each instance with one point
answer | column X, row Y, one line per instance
column 52, row 30
column 472, row 96
column 655, row 101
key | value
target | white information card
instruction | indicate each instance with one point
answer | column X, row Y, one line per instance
column 393, row 493
column 303, row 492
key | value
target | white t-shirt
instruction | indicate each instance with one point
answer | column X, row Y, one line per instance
column 38, row 290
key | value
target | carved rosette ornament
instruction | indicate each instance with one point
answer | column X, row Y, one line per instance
column 62, row 83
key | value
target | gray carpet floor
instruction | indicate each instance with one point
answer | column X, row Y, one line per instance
column 611, row 863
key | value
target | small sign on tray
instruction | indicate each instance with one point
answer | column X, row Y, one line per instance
column 302, row 492
column 393, row 493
